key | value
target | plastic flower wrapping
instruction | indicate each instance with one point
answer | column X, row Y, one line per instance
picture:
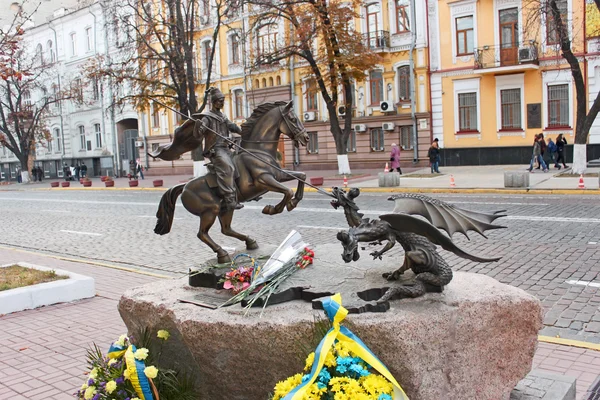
column 342, row 368
column 287, row 251
column 126, row 373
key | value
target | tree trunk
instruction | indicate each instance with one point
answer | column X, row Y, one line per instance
column 341, row 140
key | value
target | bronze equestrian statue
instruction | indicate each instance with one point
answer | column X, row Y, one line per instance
column 418, row 237
column 204, row 196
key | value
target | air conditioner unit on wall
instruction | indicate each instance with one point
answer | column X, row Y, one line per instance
column 341, row 111
column 203, row 19
column 388, row 126
column 139, row 143
column 360, row 128
column 386, row 106
column 310, row 116
column 527, row 54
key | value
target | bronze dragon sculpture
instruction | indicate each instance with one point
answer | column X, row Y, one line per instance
column 418, row 237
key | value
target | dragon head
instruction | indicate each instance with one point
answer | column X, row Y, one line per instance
column 350, row 244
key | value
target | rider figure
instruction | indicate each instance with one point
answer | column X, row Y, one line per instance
column 217, row 149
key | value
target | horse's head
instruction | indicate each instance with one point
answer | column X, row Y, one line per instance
column 291, row 125
column 350, row 244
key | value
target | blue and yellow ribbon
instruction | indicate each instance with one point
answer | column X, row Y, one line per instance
column 336, row 313
column 116, row 351
column 135, row 368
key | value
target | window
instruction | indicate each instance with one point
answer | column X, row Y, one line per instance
column 404, row 83
column 351, row 145
column 377, row 143
column 552, row 32
column 264, row 82
column 402, row 19
column 155, row 117
column 270, row 81
column 406, row 137
column 95, row 89
column 256, row 84
column 464, row 35
column 238, row 96
column 235, row 49
column 81, row 137
column 510, row 102
column 26, row 99
column 98, row 133
column 88, row 39
column 57, row 138
column 313, row 143
column 206, row 51
column 312, row 95
column 39, row 54
column 373, row 34
column 50, row 52
column 266, row 39
column 558, row 106
column 467, row 112
column 73, row 44
column 49, row 146
column 278, row 80
column 376, row 81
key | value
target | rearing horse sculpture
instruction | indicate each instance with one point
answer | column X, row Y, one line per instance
column 260, row 136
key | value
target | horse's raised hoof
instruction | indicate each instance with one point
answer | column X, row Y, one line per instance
column 251, row 244
column 292, row 204
column 223, row 257
column 268, row 209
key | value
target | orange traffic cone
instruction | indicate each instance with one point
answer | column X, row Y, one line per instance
column 386, row 168
column 452, row 184
column 345, row 181
column 581, row 184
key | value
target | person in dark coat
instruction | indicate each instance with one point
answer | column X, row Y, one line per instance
column 66, row 172
column 77, row 171
column 434, row 157
column 34, row 174
column 83, row 170
column 40, row 173
column 560, row 150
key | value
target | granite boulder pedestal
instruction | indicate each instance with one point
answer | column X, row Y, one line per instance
column 474, row 340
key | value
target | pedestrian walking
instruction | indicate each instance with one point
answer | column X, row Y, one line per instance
column 40, row 173
column 66, row 172
column 77, row 172
column 34, row 174
column 139, row 168
column 537, row 154
column 83, row 170
column 434, row 157
column 542, row 143
column 132, row 170
column 19, row 177
column 551, row 151
column 560, row 150
column 395, row 159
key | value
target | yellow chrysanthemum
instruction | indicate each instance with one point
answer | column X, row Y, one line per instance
column 376, row 384
column 111, row 386
column 93, row 373
column 314, row 393
column 141, row 354
column 151, row 372
column 284, row 387
column 89, row 392
column 330, row 360
column 342, row 350
column 84, row 386
column 121, row 340
column 126, row 374
column 163, row 334
column 309, row 361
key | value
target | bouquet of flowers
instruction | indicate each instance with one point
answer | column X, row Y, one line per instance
column 239, row 278
column 342, row 368
column 291, row 255
column 123, row 375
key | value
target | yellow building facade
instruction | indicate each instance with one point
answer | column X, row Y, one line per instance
column 383, row 109
column 497, row 76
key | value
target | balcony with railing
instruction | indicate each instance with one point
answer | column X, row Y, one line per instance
column 377, row 40
column 507, row 56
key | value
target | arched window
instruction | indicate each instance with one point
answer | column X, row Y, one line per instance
column 26, row 95
column 373, row 11
column 50, row 52
column 264, row 82
column 278, row 80
column 376, row 86
column 270, row 81
column 39, row 54
column 404, row 83
column 312, row 95
column 56, row 137
column 81, row 130
column 238, row 103
column 235, row 49
column 256, row 84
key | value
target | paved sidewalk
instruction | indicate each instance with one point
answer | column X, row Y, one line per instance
column 42, row 351
column 470, row 177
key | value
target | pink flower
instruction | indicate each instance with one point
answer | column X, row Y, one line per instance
column 227, row 285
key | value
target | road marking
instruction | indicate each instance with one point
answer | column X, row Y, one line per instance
column 81, row 233
column 153, row 216
column 583, row 283
column 553, row 219
column 492, row 203
column 59, row 211
column 333, row 228
column 592, row 242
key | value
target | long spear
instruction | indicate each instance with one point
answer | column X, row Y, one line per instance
column 234, row 144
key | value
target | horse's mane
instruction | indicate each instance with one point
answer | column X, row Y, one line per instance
column 257, row 114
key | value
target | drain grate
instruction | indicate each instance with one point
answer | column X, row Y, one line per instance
column 593, row 392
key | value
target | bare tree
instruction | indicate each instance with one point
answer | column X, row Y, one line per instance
column 554, row 15
column 322, row 34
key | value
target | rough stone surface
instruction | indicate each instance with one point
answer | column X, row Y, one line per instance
column 475, row 340
column 388, row 179
column 516, row 179
column 543, row 385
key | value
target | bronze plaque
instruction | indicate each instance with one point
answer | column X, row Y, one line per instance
column 207, row 300
column 534, row 115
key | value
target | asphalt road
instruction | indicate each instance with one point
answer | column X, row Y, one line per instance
column 551, row 247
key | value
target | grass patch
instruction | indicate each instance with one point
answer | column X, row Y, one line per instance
column 15, row 276
column 587, row 175
column 421, row 175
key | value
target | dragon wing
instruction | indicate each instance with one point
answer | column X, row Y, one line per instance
column 407, row 223
column 445, row 216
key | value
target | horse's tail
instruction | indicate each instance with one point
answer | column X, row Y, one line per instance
column 166, row 209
